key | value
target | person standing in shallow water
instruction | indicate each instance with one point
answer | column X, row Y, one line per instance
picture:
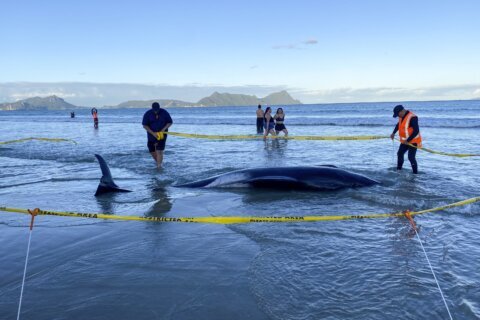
column 409, row 133
column 279, row 122
column 156, row 121
column 260, row 115
column 269, row 123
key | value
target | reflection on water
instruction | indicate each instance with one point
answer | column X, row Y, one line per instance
column 275, row 149
column 162, row 204
column 106, row 202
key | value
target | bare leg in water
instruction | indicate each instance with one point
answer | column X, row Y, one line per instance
column 158, row 157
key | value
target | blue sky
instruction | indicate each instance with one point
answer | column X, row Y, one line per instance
column 321, row 51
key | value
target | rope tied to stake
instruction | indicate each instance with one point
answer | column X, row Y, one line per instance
column 33, row 213
column 408, row 215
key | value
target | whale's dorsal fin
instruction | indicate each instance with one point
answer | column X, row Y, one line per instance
column 106, row 181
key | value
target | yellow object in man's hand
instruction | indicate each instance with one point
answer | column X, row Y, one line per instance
column 160, row 135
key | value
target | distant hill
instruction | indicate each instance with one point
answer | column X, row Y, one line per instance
column 281, row 97
column 228, row 99
column 165, row 103
column 37, row 103
column 215, row 100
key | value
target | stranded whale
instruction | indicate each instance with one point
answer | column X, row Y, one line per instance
column 293, row 178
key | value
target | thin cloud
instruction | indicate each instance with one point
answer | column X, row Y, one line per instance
column 378, row 94
column 284, row 46
column 99, row 94
column 299, row 46
column 310, row 42
column 254, row 67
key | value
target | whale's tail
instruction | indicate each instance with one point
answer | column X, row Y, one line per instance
column 106, row 181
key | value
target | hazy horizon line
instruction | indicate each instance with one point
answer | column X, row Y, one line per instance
column 110, row 94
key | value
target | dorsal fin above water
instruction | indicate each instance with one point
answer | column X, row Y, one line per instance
column 106, row 184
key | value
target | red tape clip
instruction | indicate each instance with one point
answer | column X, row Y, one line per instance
column 409, row 217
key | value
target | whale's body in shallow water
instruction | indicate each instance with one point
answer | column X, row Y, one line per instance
column 293, row 178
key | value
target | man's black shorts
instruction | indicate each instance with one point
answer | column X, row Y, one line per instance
column 157, row 145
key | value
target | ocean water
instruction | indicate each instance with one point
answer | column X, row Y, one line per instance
column 355, row 269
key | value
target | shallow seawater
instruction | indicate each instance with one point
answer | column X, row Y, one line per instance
column 354, row 269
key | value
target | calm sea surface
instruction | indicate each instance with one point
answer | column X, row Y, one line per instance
column 354, row 269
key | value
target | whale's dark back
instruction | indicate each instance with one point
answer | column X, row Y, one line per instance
column 294, row 178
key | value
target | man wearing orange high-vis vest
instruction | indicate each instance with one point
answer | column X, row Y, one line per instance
column 409, row 133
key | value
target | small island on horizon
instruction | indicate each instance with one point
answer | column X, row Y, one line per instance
column 214, row 100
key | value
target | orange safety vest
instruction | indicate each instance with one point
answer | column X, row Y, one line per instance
column 404, row 129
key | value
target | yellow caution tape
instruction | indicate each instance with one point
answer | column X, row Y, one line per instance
column 458, row 155
column 257, row 137
column 324, row 138
column 39, row 139
column 238, row 219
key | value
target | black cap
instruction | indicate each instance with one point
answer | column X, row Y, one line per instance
column 397, row 110
column 156, row 106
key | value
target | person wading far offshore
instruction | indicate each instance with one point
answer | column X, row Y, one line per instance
column 95, row 117
column 409, row 133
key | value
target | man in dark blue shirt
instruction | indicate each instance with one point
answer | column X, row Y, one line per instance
column 156, row 121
